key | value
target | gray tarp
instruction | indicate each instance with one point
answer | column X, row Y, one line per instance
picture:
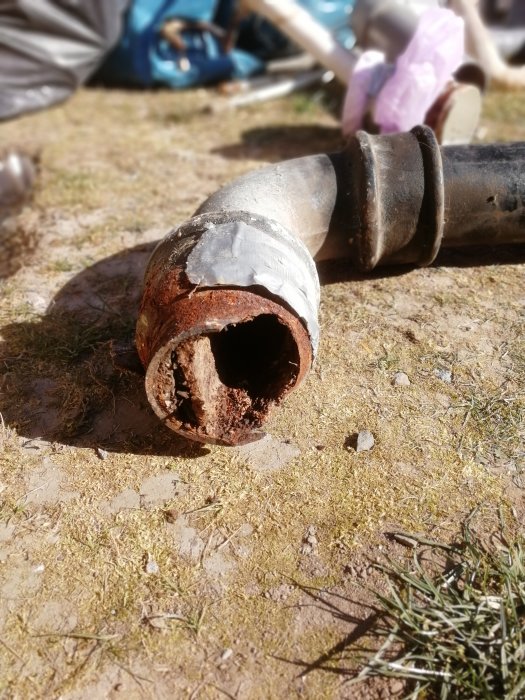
column 49, row 47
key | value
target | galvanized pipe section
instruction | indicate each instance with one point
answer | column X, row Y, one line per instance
column 228, row 322
column 303, row 195
column 297, row 23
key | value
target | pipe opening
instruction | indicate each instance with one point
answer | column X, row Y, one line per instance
column 259, row 356
column 225, row 382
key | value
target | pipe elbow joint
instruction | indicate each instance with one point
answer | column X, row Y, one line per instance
column 228, row 324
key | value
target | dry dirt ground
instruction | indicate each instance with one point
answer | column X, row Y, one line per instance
column 134, row 564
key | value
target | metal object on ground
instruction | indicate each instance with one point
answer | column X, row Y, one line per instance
column 228, row 322
column 275, row 87
column 17, row 177
column 298, row 24
column 414, row 197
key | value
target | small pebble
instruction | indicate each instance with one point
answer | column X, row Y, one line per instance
column 396, row 686
column 310, row 540
column 226, row 654
column 401, row 379
column 101, row 454
column 444, row 374
column 39, row 569
column 365, row 441
column 151, row 566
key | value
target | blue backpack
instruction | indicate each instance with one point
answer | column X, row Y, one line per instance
column 181, row 43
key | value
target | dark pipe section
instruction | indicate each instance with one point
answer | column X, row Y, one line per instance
column 412, row 197
column 484, row 194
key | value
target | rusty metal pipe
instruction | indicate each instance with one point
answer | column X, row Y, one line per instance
column 228, row 322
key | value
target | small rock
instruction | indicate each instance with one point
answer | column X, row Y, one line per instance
column 396, row 686
column 151, row 565
column 101, row 454
column 401, row 379
column 279, row 593
column 365, row 441
column 444, row 374
column 39, row 569
column 226, row 654
column 310, row 540
column 158, row 623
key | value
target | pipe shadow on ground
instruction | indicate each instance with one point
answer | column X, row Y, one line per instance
column 71, row 376
column 274, row 144
column 334, row 271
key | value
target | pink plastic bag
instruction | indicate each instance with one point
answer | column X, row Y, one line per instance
column 422, row 71
column 357, row 94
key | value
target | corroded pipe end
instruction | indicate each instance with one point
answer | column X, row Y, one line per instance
column 225, row 357
column 227, row 325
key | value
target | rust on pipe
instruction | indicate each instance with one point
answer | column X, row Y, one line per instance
column 228, row 322
column 218, row 358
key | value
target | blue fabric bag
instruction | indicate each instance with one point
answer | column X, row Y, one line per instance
column 145, row 57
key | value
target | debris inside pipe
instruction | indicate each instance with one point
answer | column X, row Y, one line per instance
column 217, row 332
column 228, row 322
